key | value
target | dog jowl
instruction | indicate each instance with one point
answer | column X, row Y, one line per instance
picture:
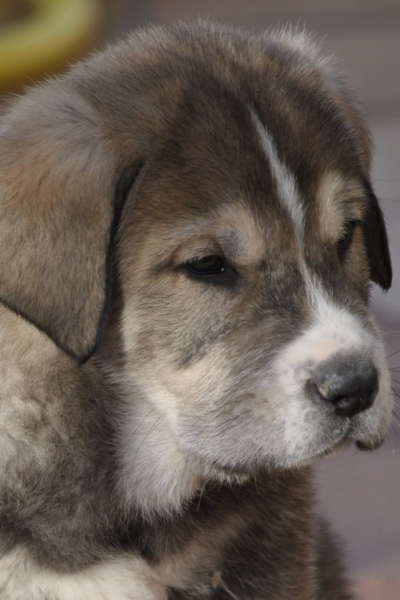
column 188, row 237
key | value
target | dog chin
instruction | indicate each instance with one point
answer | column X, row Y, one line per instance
column 317, row 452
column 240, row 473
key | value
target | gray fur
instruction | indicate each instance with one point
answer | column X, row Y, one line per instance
column 149, row 448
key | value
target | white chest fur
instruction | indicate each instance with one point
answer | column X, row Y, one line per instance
column 123, row 578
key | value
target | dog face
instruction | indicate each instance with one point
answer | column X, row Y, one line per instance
column 246, row 320
column 224, row 183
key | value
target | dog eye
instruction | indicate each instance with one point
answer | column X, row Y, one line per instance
column 345, row 241
column 211, row 268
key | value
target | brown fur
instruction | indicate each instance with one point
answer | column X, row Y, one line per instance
column 134, row 426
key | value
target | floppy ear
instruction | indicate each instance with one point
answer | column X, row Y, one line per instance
column 59, row 202
column 377, row 243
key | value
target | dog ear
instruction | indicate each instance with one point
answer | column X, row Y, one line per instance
column 376, row 241
column 59, row 205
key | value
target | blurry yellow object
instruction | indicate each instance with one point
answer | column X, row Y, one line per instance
column 53, row 33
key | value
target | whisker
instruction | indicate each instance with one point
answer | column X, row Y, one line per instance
column 200, row 497
column 396, row 418
column 391, row 443
column 157, row 422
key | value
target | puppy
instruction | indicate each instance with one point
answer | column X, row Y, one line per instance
column 188, row 236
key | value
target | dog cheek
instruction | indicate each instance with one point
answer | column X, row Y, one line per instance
column 297, row 428
column 233, row 411
column 235, row 415
column 152, row 366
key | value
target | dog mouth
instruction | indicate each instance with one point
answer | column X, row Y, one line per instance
column 330, row 435
column 368, row 446
column 349, row 436
column 342, row 438
column 365, row 441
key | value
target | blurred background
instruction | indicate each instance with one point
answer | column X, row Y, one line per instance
column 360, row 493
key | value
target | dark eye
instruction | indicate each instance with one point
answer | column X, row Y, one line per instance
column 345, row 241
column 211, row 268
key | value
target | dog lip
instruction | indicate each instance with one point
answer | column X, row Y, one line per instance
column 345, row 435
column 369, row 446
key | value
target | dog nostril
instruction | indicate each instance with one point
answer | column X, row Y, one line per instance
column 348, row 406
column 350, row 385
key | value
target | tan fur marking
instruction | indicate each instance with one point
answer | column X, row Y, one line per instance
column 251, row 240
column 233, row 231
column 339, row 200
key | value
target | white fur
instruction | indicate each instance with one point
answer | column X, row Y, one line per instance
column 122, row 578
column 334, row 331
column 154, row 472
column 284, row 179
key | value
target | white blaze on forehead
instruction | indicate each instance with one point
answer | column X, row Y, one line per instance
column 290, row 198
column 285, row 181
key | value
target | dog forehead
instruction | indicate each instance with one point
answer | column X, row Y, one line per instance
column 232, row 227
column 264, row 217
column 241, row 232
column 219, row 155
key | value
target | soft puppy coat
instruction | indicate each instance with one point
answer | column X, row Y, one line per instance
column 188, row 234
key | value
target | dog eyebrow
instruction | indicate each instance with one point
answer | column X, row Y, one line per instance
column 338, row 198
column 285, row 180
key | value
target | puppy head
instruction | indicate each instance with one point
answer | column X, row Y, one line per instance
column 246, row 313
column 226, row 178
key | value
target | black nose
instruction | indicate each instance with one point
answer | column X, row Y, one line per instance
column 349, row 383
